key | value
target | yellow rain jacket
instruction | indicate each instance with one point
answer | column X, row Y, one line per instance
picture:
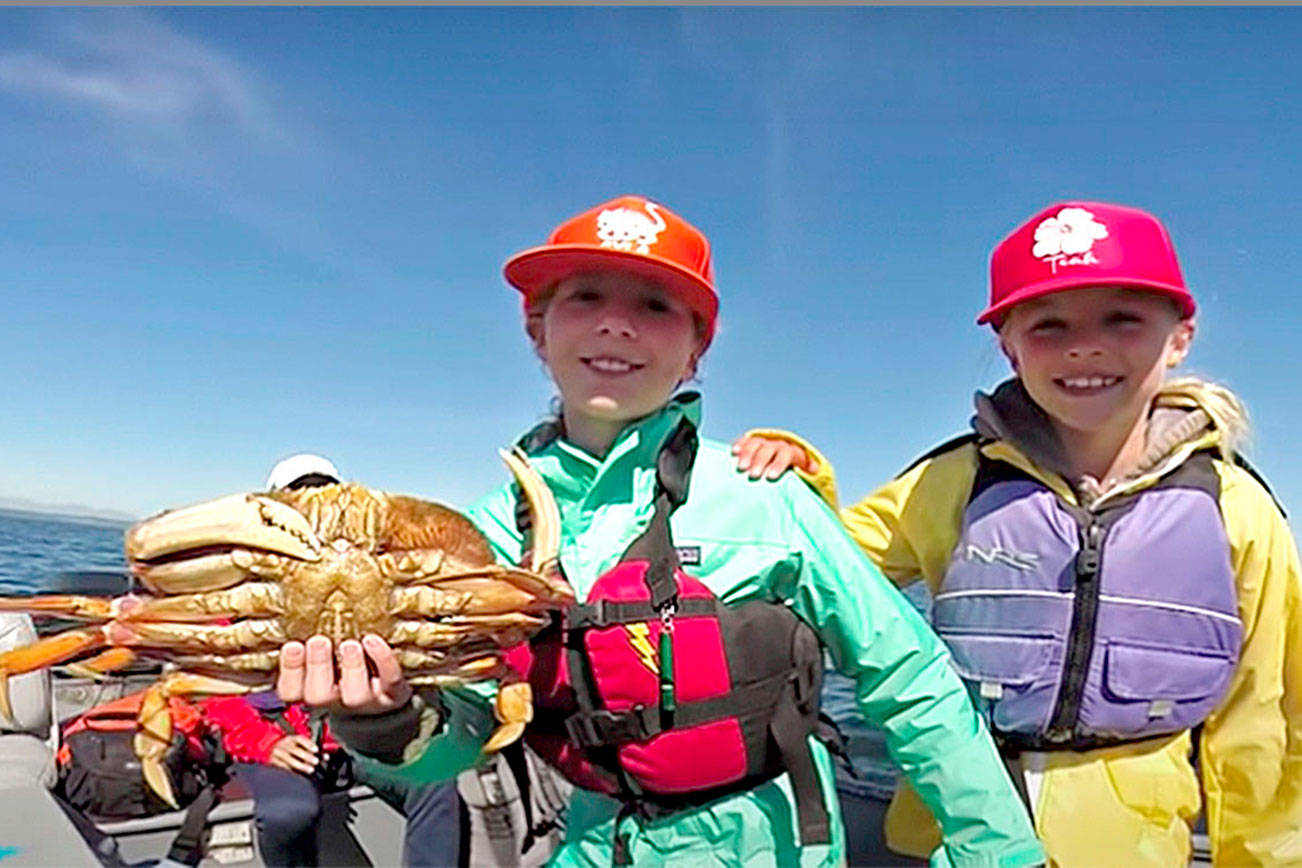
column 1134, row 804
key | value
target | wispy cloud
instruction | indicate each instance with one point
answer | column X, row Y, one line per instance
column 182, row 111
column 132, row 67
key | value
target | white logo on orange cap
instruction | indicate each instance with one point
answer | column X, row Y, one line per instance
column 1066, row 238
column 626, row 229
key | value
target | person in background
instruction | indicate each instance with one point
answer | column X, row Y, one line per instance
column 288, row 758
column 1118, row 587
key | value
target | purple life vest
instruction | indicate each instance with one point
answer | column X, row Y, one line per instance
column 1083, row 628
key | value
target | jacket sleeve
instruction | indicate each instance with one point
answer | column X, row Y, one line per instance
column 247, row 735
column 909, row 526
column 905, row 685
column 1251, row 750
column 441, row 739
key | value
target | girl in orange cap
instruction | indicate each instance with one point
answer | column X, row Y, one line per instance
column 690, row 727
column 1116, row 584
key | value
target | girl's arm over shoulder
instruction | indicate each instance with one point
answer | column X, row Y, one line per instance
column 906, row 685
column 771, row 452
column 1251, row 751
column 908, row 527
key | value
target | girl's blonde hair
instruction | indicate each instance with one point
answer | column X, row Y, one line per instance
column 1228, row 414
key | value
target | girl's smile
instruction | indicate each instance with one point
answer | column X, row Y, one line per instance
column 1087, row 385
column 1094, row 359
column 617, row 346
column 611, row 365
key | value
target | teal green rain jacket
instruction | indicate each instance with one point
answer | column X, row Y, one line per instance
column 771, row 541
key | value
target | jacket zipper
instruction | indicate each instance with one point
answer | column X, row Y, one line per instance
column 1084, row 623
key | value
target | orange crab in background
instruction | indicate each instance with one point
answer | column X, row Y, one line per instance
column 231, row 580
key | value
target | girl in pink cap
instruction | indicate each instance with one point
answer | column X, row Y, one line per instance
column 1118, row 588
column 689, row 726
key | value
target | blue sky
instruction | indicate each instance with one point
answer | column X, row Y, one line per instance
column 228, row 234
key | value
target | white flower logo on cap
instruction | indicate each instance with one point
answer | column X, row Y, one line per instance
column 1066, row 238
column 626, row 229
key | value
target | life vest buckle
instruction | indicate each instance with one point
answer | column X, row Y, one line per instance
column 603, row 727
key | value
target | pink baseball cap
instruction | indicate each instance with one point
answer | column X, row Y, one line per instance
column 1073, row 245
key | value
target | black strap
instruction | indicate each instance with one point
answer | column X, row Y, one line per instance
column 655, row 545
column 674, row 463
column 609, row 613
column 279, row 717
column 519, row 766
column 620, row 855
column 187, row 846
column 790, row 731
column 948, row 446
column 604, row 727
column 829, row 733
column 1261, row 480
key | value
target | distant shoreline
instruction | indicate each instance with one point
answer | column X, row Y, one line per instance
column 71, row 517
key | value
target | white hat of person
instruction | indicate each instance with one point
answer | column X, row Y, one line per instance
column 295, row 467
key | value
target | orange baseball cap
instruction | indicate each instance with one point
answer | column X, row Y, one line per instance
column 631, row 234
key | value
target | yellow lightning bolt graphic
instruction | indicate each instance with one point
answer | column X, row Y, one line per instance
column 639, row 639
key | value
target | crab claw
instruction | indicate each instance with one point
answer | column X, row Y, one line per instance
column 153, row 737
column 514, row 708
column 212, row 545
column 545, row 516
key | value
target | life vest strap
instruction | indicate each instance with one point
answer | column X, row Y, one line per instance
column 604, row 727
column 609, row 613
column 790, row 733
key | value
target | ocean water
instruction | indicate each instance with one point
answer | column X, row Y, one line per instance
column 36, row 548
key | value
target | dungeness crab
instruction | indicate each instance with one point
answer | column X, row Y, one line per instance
column 231, row 580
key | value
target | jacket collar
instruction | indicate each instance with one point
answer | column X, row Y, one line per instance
column 573, row 470
column 1009, row 417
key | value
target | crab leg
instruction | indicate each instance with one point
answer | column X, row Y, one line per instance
column 210, row 572
column 45, row 652
column 508, row 629
column 547, row 590
column 419, row 663
column 233, row 664
column 261, row 598
column 254, row 598
column 480, row 596
column 67, row 605
column 106, row 661
column 240, row 636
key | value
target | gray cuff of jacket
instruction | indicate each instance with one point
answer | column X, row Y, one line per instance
column 394, row 737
